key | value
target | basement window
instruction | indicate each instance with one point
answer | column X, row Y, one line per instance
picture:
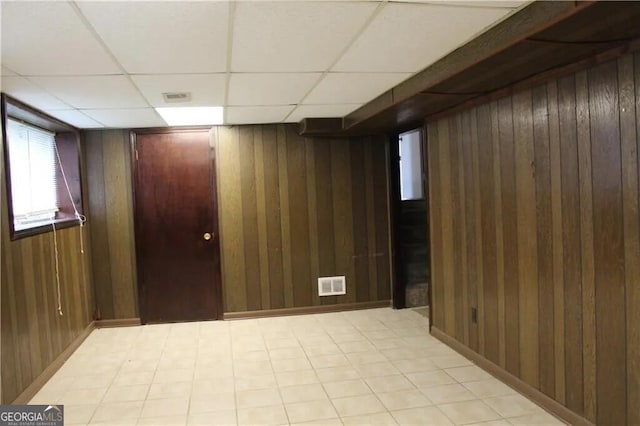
column 42, row 171
column 411, row 168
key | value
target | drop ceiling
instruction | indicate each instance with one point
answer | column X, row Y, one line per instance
column 106, row 64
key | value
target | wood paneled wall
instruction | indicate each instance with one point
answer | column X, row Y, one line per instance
column 293, row 209
column 108, row 158
column 33, row 334
column 535, row 222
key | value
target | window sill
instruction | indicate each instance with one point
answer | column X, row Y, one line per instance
column 43, row 229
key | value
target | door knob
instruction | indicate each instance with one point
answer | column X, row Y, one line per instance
column 207, row 236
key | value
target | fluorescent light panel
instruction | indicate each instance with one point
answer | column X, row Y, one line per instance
column 191, row 116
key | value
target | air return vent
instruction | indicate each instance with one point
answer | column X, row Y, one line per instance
column 173, row 97
column 332, row 286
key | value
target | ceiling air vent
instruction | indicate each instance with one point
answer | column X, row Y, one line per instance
column 173, row 97
column 332, row 286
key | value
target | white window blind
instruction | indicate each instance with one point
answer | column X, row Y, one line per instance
column 32, row 164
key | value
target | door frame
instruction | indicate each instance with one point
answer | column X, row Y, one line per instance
column 213, row 183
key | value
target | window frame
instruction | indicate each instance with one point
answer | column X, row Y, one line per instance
column 16, row 110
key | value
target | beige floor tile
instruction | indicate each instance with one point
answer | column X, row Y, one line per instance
column 513, row 405
column 358, row 405
column 489, row 388
column 304, row 377
column 275, row 415
column 218, row 402
column 468, row 374
column 165, row 407
column 287, row 353
column 261, row 381
column 365, row 357
column 329, row 349
column 176, row 362
column 426, row 379
column 303, row 393
column 403, row 400
column 450, row 361
column 78, row 414
column 380, row 419
column 249, row 369
column 214, row 418
column 82, row 396
column 336, row 374
column 163, row 421
column 125, row 412
column 170, row 390
column 323, row 422
column 125, row 378
column 258, row 398
column 140, row 365
column 423, row 416
column 126, row 393
column 285, row 365
column 310, row 410
column 173, row 376
column 492, row 423
column 380, row 334
column 469, row 412
column 448, row 393
column 203, row 388
column 389, row 383
column 251, row 356
column 542, row 418
column 399, row 353
column 93, row 381
column 376, row 369
column 307, row 340
column 415, row 365
column 327, row 361
column 356, row 346
column 346, row 388
column 348, row 338
column 393, row 343
column 290, row 342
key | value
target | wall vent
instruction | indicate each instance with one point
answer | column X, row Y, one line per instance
column 332, row 286
column 172, row 97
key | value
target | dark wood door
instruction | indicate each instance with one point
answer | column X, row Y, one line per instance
column 175, row 203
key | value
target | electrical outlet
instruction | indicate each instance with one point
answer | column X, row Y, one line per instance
column 474, row 315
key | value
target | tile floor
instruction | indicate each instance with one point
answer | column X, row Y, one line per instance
column 372, row 367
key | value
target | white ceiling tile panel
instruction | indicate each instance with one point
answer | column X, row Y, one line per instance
column 205, row 89
column 270, row 88
column 163, row 37
column 5, row 71
column 353, row 88
column 75, row 118
column 410, row 37
column 471, row 3
column 126, row 118
column 48, row 38
column 257, row 114
column 27, row 92
column 294, row 36
column 321, row 111
column 93, row 91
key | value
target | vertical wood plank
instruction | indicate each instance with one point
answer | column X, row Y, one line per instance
column 261, row 206
column 249, row 218
column 478, row 221
column 447, row 247
column 313, row 218
column 380, row 163
column 435, row 214
column 510, row 236
column 285, row 223
column 544, row 238
column 586, row 238
column 572, row 245
column 457, row 182
column 298, row 219
column 371, row 220
column 608, row 230
column 558, row 252
column 489, row 262
column 359, row 223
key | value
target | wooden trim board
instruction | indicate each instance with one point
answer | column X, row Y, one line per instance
column 307, row 310
column 550, row 405
column 48, row 372
column 110, row 323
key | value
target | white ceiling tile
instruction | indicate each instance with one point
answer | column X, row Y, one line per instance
column 410, row 37
column 294, row 36
column 48, row 38
column 163, row 37
column 114, row 91
column 27, row 92
column 270, row 88
column 257, row 114
column 513, row 4
column 321, row 111
column 353, row 88
column 126, row 118
column 6, row 71
column 75, row 118
column 205, row 89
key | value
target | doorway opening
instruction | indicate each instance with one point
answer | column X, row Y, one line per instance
column 411, row 224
